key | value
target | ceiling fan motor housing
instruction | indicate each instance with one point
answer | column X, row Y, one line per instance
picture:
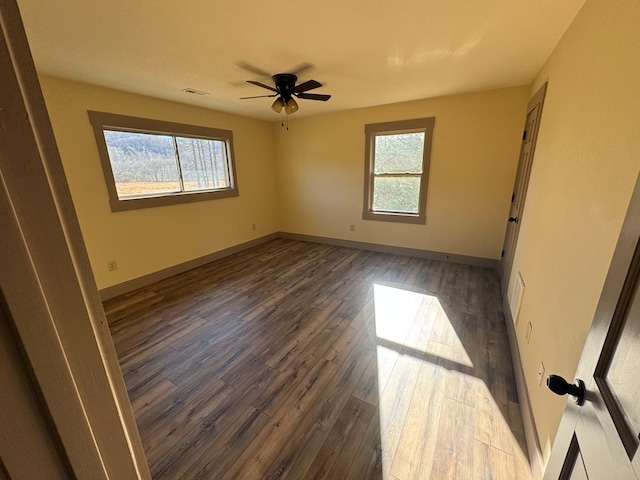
column 285, row 83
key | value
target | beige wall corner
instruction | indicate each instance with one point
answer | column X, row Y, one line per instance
column 320, row 170
column 152, row 239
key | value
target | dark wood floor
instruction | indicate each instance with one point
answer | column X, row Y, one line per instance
column 305, row 361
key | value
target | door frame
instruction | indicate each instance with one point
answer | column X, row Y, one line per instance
column 520, row 186
column 49, row 291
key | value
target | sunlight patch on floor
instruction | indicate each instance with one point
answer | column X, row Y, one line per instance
column 437, row 420
column 417, row 322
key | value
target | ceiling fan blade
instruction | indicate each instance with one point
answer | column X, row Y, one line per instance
column 314, row 96
column 253, row 69
column 298, row 69
column 308, row 85
column 262, row 85
column 259, row 96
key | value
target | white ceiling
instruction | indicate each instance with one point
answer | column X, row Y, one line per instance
column 365, row 53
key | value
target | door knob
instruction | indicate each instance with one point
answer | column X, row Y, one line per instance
column 513, row 219
column 560, row 386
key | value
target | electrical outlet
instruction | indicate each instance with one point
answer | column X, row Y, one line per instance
column 112, row 265
column 527, row 336
column 540, row 373
column 352, row 228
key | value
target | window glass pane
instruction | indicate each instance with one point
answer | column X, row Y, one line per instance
column 396, row 194
column 399, row 153
column 203, row 163
column 143, row 164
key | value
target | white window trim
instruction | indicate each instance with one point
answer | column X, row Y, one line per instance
column 109, row 121
column 398, row 127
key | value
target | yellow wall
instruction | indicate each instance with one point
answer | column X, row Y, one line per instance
column 319, row 166
column 147, row 240
column 585, row 166
column 476, row 142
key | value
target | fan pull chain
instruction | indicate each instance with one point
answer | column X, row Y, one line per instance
column 284, row 120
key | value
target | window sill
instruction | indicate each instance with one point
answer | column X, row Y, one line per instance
column 161, row 200
column 395, row 217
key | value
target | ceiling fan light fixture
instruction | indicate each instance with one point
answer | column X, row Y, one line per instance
column 291, row 106
column 284, row 90
column 277, row 105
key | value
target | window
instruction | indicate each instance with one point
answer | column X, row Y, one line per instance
column 396, row 170
column 149, row 163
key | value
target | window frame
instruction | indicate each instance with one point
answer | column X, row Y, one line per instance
column 110, row 121
column 425, row 125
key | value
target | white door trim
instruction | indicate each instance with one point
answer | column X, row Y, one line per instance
column 47, row 282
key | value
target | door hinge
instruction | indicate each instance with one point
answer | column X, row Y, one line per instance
column 502, row 255
column 524, row 136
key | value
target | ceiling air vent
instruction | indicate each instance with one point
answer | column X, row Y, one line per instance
column 194, row 91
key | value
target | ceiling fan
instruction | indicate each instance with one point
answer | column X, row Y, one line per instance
column 286, row 91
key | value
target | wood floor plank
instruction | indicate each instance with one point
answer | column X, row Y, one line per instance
column 453, row 455
column 272, row 397
column 324, row 341
column 423, row 324
column 222, row 453
column 341, row 349
column 491, row 426
column 461, row 387
column 414, row 455
column 394, row 405
column 258, row 458
column 367, row 388
column 492, row 463
column 170, row 428
column 297, row 455
column 367, row 464
column 516, row 426
column 301, row 361
column 315, row 322
column 157, row 340
column 386, row 359
column 220, row 416
column 339, row 449
column 152, row 397
column 144, row 376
